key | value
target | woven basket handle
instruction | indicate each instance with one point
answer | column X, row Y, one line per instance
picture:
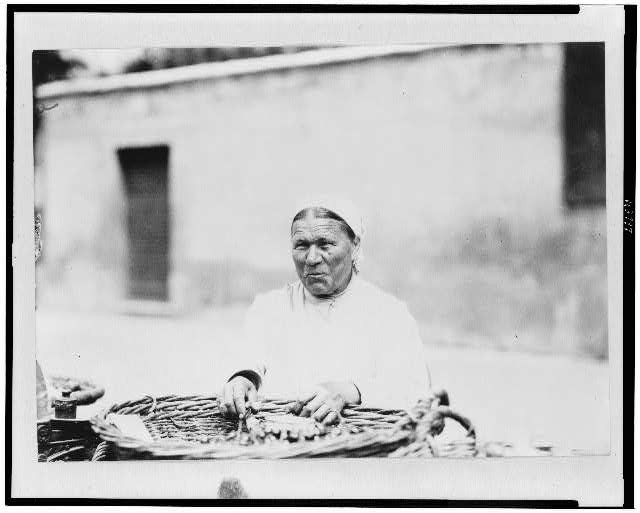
column 430, row 423
column 447, row 412
column 442, row 396
column 439, row 410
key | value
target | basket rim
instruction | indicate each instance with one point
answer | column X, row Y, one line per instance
column 397, row 429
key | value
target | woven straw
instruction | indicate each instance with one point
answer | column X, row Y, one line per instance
column 192, row 427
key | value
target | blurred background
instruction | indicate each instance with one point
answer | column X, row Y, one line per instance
column 166, row 180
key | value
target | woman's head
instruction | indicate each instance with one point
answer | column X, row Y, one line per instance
column 324, row 250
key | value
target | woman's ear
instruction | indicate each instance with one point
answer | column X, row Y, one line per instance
column 355, row 254
column 356, row 246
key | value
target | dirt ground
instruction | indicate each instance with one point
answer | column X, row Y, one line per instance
column 512, row 397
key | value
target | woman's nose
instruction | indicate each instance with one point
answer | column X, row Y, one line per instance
column 313, row 256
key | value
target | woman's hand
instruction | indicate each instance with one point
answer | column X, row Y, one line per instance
column 326, row 402
column 237, row 395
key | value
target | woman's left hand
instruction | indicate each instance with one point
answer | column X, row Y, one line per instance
column 326, row 402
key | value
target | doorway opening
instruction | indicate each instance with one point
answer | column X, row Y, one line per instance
column 145, row 172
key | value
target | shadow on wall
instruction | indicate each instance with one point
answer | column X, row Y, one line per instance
column 511, row 286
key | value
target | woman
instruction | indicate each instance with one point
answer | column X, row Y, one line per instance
column 331, row 338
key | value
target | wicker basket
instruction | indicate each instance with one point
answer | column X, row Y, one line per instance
column 191, row 427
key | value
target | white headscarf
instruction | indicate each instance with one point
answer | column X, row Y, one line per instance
column 346, row 210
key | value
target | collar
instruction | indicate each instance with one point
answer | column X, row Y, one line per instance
column 329, row 301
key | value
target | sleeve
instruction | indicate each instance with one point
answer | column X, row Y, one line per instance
column 400, row 374
column 250, row 359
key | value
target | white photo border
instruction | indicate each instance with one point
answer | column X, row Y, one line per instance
column 593, row 480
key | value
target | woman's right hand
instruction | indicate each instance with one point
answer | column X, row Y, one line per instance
column 237, row 395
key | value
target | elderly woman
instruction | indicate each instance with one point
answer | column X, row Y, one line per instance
column 331, row 338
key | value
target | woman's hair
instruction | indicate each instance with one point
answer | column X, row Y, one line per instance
column 323, row 213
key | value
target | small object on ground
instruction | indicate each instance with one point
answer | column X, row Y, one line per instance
column 543, row 445
column 496, row 449
column 231, row 488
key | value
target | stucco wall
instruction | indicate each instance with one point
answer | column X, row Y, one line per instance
column 454, row 156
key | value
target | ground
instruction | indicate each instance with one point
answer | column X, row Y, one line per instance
column 510, row 396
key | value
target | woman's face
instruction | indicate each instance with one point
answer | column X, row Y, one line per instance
column 323, row 255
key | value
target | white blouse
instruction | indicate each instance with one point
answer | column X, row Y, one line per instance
column 364, row 336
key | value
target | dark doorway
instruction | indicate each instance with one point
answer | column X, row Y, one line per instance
column 584, row 125
column 145, row 173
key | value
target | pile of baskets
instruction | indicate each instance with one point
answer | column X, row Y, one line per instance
column 192, row 427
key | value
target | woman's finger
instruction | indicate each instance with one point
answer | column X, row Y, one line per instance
column 238, row 400
column 297, row 406
column 228, row 400
column 331, row 418
column 305, row 398
column 321, row 412
column 291, row 407
column 311, row 407
column 252, row 397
